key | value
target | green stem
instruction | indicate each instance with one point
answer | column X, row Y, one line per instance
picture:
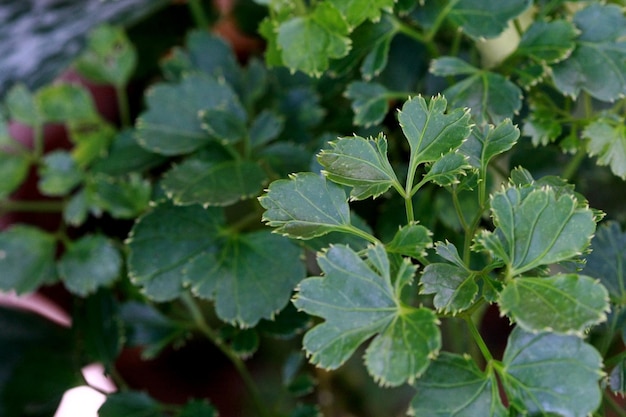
column 363, row 234
column 617, row 408
column 38, row 141
column 411, row 32
column 123, row 106
column 459, row 211
column 206, row 330
column 43, row 206
column 195, row 6
column 440, row 18
column 479, row 339
column 572, row 167
column 408, row 206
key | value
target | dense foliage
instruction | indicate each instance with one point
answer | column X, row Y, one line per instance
column 375, row 184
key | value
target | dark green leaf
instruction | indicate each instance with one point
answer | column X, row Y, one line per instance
column 109, row 58
column 245, row 343
column 126, row 156
column 77, row 208
column 91, row 141
column 535, row 226
column 455, row 288
column 541, row 125
column 302, row 385
column 13, row 171
column 376, row 60
column 308, row 42
column 306, row 410
column 547, row 373
column 486, row 20
column 58, row 174
column 26, row 258
column 213, row 184
column 411, row 240
column 548, row 42
column 243, row 292
column 89, row 263
column 358, row 11
column 171, row 125
column 224, row 125
column 305, row 206
column 607, row 261
column 454, row 386
column 607, row 141
column 266, row 127
column 358, row 301
column 286, row 324
column 447, row 169
column 488, row 141
column 598, row 63
column 63, row 103
column 568, row 304
column 130, row 404
column 361, row 164
column 22, row 106
column 198, row 408
column 447, row 66
column 369, row 102
column 123, row 198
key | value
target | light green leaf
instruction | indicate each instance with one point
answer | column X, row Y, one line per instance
column 369, row 102
column 455, row 288
column 109, row 58
column 446, row 170
column 598, row 64
column 89, row 263
column 171, row 125
column 358, row 11
column 91, row 140
column 122, row 197
column 305, row 206
column 548, row 42
column 213, row 183
column 13, row 171
column 567, row 303
column 58, row 174
column 376, row 60
column 361, row 164
column 223, row 125
column 607, row 141
column 453, row 385
column 22, row 106
column 26, row 259
column 447, row 66
column 607, row 260
column 479, row 19
column 541, row 125
column 308, row 42
column 411, row 240
column 536, row 227
column 431, row 132
column 64, row 103
column 266, row 127
column 130, row 404
column 243, row 292
column 488, row 141
column 547, row 373
column 358, row 301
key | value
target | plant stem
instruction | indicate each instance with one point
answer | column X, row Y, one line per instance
column 574, row 164
column 43, row 206
column 358, row 232
column 617, row 408
column 414, row 34
column 38, row 141
column 198, row 14
column 479, row 339
column 122, row 104
column 206, row 330
column 439, row 20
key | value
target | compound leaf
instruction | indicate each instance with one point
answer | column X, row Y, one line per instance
column 488, row 141
column 536, row 226
column 13, row 171
column 607, row 141
column 213, row 184
column 26, row 258
column 454, row 386
column 305, row 206
column 566, row 303
column 358, row 301
column 171, row 125
column 548, row 42
column 369, row 102
column 455, row 288
column 598, row 64
column 549, row 373
column 607, row 261
column 361, row 164
column 486, row 20
column 88, row 264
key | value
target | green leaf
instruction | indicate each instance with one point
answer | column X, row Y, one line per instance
column 110, row 58
column 568, row 303
column 617, row 378
column 64, row 103
column 491, row 97
column 13, row 171
column 91, row 141
column 163, row 243
column 607, row 140
column 122, row 197
column 171, row 125
column 486, row 20
column 453, row 385
column 361, row 164
column 535, row 226
column 541, row 125
column 548, row 42
column 369, row 102
column 411, row 240
column 446, row 170
column 130, row 404
column 547, row 373
column 243, row 292
column 357, row 299
column 22, row 106
column 431, row 132
column 305, row 206
column 225, row 126
column 607, row 261
column 598, row 63
column 455, row 288
column 486, row 142
column 26, row 259
column 358, row 11
column 266, row 127
column 58, row 174
column 126, row 156
column 89, row 263
column 308, row 42
column 198, row 408
column 213, row 184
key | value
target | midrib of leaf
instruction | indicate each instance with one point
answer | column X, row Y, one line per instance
column 365, row 162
